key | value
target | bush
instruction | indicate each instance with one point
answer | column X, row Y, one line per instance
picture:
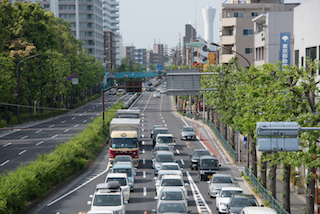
column 3, row 123
column 18, row 188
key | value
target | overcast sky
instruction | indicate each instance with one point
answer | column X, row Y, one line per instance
column 147, row 22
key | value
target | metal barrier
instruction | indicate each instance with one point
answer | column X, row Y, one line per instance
column 264, row 193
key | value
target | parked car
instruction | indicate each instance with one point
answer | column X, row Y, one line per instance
column 195, row 157
column 239, row 201
column 172, row 181
column 172, row 194
column 260, row 210
column 160, row 147
column 171, row 207
column 156, row 131
column 122, row 178
column 188, row 132
column 160, row 158
column 108, row 198
column 152, row 130
column 166, row 139
column 217, row 181
column 125, row 167
column 223, row 197
column 123, row 158
column 208, row 165
column 156, row 95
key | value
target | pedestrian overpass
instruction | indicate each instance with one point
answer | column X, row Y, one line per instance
column 110, row 76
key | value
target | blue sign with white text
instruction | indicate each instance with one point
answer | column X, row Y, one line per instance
column 159, row 67
column 284, row 49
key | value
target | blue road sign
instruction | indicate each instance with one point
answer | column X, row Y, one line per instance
column 75, row 75
column 69, row 78
column 159, row 67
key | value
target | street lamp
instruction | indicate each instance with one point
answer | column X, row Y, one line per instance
column 18, row 83
column 232, row 51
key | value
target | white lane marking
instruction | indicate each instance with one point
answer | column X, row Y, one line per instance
column 98, row 114
column 164, row 121
column 92, row 117
column 39, row 131
column 177, row 151
column 5, row 145
column 143, row 151
column 73, row 118
column 143, row 142
column 54, row 136
column 165, row 125
column 20, row 153
column 160, row 114
column 161, row 118
column 142, row 117
column 142, row 130
column 144, row 191
column 85, row 183
column 85, row 112
column 24, row 137
column 76, row 125
column 4, row 163
column 142, row 114
column 63, row 121
column 182, row 162
column 51, row 126
column 142, row 124
column 80, row 115
column 142, row 135
column 84, row 121
column 66, row 130
column 197, row 194
column 41, row 142
column 144, row 161
column 144, row 174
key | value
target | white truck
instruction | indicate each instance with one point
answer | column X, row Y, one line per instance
column 124, row 139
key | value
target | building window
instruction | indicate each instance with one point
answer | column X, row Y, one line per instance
column 296, row 57
column 247, row 32
column 254, row 14
column 228, row 15
column 238, row 14
column 248, row 51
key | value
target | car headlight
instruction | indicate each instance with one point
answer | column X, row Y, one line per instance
column 194, row 161
column 201, row 172
column 157, row 165
column 125, row 189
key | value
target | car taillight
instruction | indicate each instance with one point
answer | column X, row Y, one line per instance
column 112, row 154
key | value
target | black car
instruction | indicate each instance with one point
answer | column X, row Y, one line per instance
column 208, row 165
column 239, row 201
column 194, row 158
column 157, row 131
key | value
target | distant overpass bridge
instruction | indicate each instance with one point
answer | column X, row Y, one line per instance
column 110, row 76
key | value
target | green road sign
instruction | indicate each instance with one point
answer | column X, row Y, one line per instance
column 196, row 44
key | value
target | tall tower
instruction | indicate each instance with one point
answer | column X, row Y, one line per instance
column 208, row 17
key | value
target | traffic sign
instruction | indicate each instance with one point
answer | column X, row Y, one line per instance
column 159, row 67
column 75, row 75
column 196, row 44
column 69, row 78
column 75, row 81
column 186, row 44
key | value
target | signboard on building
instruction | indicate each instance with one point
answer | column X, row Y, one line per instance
column 212, row 56
column 284, row 49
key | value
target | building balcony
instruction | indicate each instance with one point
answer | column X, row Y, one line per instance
column 225, row 58
column 228, row 22
column 227, row 40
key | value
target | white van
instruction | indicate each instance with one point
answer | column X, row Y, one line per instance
column 166, row 139
column 123, row 180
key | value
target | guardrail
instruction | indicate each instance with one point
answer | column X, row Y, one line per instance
column 264, row 193
column 130, row 101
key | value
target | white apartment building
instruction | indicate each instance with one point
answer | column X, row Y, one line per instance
column 236, row 26
column 111, row 23
column 85, row 17
column 306, row 32
column 267, row 36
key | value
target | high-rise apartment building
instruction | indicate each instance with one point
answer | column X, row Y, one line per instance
column 236, row 26
column 109, row 50
column 111, row 23
column 85, row 17
column 155, row 56
column 140, row 56
column 128, row 52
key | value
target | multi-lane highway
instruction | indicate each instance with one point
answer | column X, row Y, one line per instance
column 73, row 197
column 21, row 146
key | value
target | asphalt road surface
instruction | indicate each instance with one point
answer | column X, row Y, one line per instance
column 73, row 198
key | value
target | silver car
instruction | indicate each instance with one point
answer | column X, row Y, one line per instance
column 172, row 207
column 172, row 194
column 188, row 133
column 218, row 181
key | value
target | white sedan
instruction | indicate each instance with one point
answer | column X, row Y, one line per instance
column 156, row 94
column 223, row 197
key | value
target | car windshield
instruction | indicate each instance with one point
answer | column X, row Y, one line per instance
column 122, row 181
column 164, row 131
column 201, row 153
column 172, row 196
column 171, row 182
column 209, row 163
column 161, row 148
column 243, row 202
column 165, row 140
column 165, row 158
column 107, row 200
column 124, row 143
column 122, row 159
column 128, row 171
column 188, row 129
column 228, row 193
column 218, row 179
column 170, row 167
column 177, row 208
